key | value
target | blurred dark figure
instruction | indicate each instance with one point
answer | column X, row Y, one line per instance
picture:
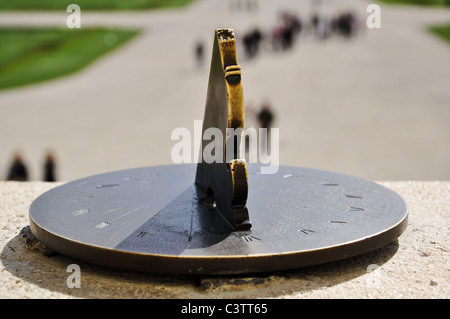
column 265, row 116
column 49, row 168
column 199, row 53
column 18, row 170
column 346, row 24
column 292, row 26
column 314, row 24
column 285, row 33
column 252, row 41
column 287, row 37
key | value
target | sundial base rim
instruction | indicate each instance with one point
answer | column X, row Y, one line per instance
column 151, row 219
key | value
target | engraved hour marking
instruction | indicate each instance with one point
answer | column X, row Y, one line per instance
column 337, row 222
column 353, row 196
column 106, row 186
column 355, row 209
column 82, row 198
column 249, row 238
column 141, row 234
column 306, row 231
column 330, row 184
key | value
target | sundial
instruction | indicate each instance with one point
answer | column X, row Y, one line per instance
column 220, row 217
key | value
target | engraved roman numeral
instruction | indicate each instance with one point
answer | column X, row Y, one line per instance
column 330, row 184
column 353, row 196
column 250, row 238
column 106, row 186
column 306, row 231
column 355, row 209
column 247, row 237
column 141, row 234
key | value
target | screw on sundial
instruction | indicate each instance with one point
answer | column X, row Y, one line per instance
column 225, row 181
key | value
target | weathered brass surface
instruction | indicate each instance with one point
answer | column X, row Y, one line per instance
column 225, row 182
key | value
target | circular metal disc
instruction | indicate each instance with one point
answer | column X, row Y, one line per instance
column 151, row 219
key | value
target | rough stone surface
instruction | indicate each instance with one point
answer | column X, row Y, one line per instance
column 415, row 266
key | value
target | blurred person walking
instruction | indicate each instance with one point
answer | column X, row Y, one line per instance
column 265, row 116
column 49, row 168
column 18, row 170
column 199, row 53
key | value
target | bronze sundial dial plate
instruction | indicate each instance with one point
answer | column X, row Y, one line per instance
column 150, row 219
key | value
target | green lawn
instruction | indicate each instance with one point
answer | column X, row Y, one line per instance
column 440, row 3
column 29, row 55
column 442, row 31
column 90, row 4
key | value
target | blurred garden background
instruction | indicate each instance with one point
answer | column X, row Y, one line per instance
column 370, row 102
